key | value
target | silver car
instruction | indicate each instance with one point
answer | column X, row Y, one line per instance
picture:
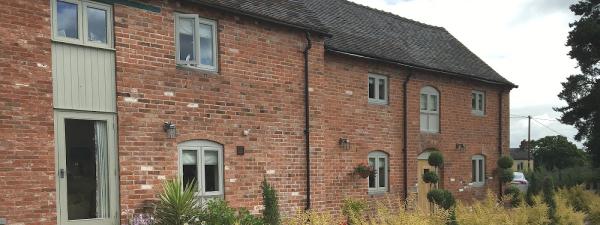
column 519, row 181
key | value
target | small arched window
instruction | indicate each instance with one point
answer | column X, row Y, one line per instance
column 478, row 170
column 378, row 182
column 201, row 163
column 429, row 105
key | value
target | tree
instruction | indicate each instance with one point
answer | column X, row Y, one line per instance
column 556, row 152
column 582, row 91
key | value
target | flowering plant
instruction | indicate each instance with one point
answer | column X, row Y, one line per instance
column 363, row 170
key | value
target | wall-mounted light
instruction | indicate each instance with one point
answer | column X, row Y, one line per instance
column 170, row 129
column 461, row 147
column 344, row 143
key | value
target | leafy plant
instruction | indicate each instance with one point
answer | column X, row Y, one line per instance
column 436, row 159
column 442, row 198
column 353, row 209
column 177, row 204
column 548, row 193
column 505, row 162
column 516, row 197
column 271, row 213
column 506, row 175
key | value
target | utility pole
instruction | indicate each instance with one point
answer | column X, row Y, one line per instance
column 529, row 142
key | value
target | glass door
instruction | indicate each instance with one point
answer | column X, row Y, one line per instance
column 87, row 186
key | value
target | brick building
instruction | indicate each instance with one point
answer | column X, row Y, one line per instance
column 101, row 101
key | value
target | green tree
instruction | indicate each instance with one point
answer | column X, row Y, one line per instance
column 271, row 212
column 582, row 91
column 556, row 152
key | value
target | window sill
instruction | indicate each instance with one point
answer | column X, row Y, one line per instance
column 77, row 43
column 197, row 69
column 377, row 193
column 478, row 185
column 430, row 132
column 476, row 113
column 378, row 102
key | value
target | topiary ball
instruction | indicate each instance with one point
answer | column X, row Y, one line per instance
column 436, row 159
column 506, row 175
column 505, row 162
column 430, row 177
column 441, row 197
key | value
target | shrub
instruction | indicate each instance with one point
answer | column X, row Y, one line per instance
column 491, row 212
column 353, row 209
column 516, row 197
column 177, row 205
column 505, row 162
column 430, row 177
column 436, row 159
column 441, row 197
column 312, row 218
column 582, row 201
column 566, row 215
column 217, row 212
column 271, row 212
column 245, row 218
column 548, row 193
column 506, row 175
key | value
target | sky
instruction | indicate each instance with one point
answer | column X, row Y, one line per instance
column 523, row 40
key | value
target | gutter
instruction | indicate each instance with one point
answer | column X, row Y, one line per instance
column 405, row 132
column 500, row 131
column 460, row 75
column 307, row 118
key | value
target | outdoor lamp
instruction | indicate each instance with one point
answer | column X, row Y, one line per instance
column 170, row 129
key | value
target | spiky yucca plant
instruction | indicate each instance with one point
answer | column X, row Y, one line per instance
column 178, row 205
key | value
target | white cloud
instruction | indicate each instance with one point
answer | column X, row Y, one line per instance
column 522, row 40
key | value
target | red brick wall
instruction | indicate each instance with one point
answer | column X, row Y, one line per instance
column 27, row 184
column 259, row 88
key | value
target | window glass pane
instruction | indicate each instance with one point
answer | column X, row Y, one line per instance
column 66, row 19
column 481, row 172
column 190, row 167
column 96, row 19
column 473, row 101
column 211, row 171
column 473, row 171
column 433, row 101
column 382, row 173
column 372, row 178
column 206, row 44
column 186, row 29
column 371, row 87
column 434, row 122
column 423, row 101
column 480, row 102
column 87, row 169
column 423, row 121
column 381, row 89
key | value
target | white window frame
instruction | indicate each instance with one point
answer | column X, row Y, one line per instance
column 197, row 61
column 200, row 147
column 82, row 28
column 377, row 78
column 478, row 179
column 429, row 114
column 377, row 155
column 479, row 110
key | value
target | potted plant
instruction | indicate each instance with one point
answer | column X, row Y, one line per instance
column 363, row 170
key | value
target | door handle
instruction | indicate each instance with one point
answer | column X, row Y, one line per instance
column 61, row 173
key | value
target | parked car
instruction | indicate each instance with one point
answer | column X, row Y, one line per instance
column 519, row 181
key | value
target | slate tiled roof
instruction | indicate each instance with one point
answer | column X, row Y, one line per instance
column 289, row 12
column 365, row 31
column 518, row 154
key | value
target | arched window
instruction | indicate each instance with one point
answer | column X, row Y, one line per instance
column 378, row 182
column 430, row 115
column 201, row 162
column 478, row 170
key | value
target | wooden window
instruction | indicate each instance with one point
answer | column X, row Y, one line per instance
column 378, row 183
column 429, row 106
column 82, row 22
column 478, row 170
column 196, row 42
column 478, row 103
column 378, row 89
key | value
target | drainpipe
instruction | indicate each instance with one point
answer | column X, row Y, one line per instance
column 405, row 133
column 500, row 135
column 307, row 118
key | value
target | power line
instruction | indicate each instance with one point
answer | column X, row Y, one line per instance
column 547, row 127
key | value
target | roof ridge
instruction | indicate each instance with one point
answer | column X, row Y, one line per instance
column 395, row 16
